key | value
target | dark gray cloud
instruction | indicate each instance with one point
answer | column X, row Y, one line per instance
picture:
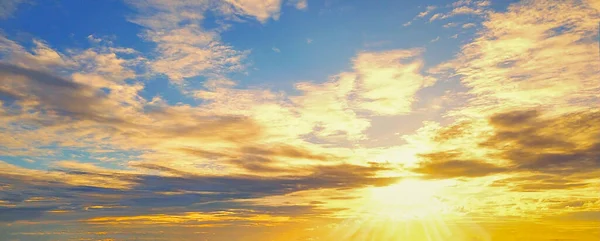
column 519, row 118
column 539, row 182
column 53, row 92
column 288, row 151
column 22, row 213
column 564, row 144
column 185, row 192
column 450, row 168
column 581, row 216
column 261, row 159
column 567, row 144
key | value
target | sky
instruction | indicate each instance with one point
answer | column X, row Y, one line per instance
column 299, row 120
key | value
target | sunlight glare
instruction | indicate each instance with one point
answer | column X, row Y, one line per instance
column 408, row 199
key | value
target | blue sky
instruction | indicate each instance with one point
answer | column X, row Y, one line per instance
column 337, row 30
column 315, row 120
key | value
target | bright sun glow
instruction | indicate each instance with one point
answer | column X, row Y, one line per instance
column 408, row 199
column 412, row 209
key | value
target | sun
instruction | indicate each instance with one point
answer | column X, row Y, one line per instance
column 412, row 209
column 405, row 200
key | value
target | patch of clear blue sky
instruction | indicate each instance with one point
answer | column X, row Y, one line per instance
column 66, row 24
column 338, row 30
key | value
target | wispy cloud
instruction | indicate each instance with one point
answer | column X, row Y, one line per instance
column 9, row 6
column 300, row 4
column 428, row 10
column 468, row 25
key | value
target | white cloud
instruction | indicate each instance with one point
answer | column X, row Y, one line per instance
column 555, row 67
column 423, row 14
column 327, row 106
column 449, row 25
column 276, row 50
column 300, row 4
column 186, row 49
column 387, row 81
column 262, row 10
column 468, row 25
column 463, row 7
column 189, row 51
column 436, row 16
column 466, row 10
column 93, row 39
column 426, row 12
column 41, row 56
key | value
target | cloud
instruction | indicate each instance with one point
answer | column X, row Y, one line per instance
column 330, row 109
column 99, row 110
column 16, row 214
column 468, row 25
column 179, row 143
column 287, row 151
column 449, row 25
column 445, row 165
column 93, row 39
column 540, row 183
column 75, row 187
column 58, row 94
column 261, row 10
column 326, row 105
column 423, row 14
column 41, row 55
column 522, row 141
column 466, row 10
column 436, row 16
column 539, row 145
column 242, row 156
column 189, row 51
column 276, row 50
column 8, row 7
column 227, row 218
column 300, row 4
column 477, row 8
column 185, row 48
column 525, row 129
column 426, row 12
column 582, row 216
column 486, row 65
column 387, row 81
